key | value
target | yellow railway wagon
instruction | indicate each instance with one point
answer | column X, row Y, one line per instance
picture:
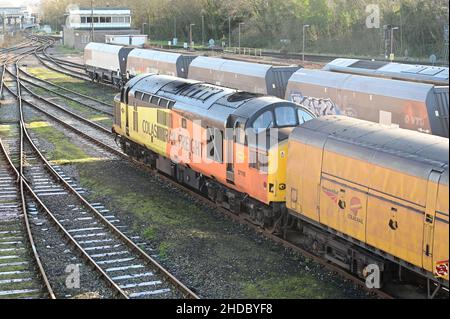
column 381, row 188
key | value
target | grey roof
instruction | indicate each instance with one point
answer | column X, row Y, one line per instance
column 402, row 150
column 365, row 84
column 154, row 55
column 420, row 73
column 213, row 104
column 232, row 66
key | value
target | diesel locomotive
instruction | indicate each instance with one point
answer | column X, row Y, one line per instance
column 357, row 193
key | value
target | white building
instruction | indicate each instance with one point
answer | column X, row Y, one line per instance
column 125, row 39
column 84, row 25
column 103, row 18
column 16, row 17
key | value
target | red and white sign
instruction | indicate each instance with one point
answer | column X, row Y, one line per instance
column 441, row 269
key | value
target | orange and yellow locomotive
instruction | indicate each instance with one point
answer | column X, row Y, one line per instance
column 359, row 193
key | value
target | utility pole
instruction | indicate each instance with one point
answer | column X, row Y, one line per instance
column 391, row 56
column 305, row 26
column 240, row 24
column 401, row 30
column 446, row 32
column 229, row 32
column 387, row 40
column 92, row 20
column 148, row 26
column 203, row 30
column 190, row 36
column 175, row 27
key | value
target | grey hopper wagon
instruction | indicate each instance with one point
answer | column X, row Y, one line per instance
column 410, row 105
column 105, row 62
column 252, row 77
column 152, row 61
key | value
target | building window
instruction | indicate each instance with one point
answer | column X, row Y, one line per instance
column 127, row 19
column 84, row 38
column 102, row 19
column 118, row 19
column 83, row 19
column 88, row 19
column 108, row 19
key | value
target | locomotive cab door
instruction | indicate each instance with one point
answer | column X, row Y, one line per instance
column 429, row 219
column 127, row 115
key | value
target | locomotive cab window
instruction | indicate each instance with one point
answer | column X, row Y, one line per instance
column 304, row 116
column 264, row 121
column 285, row 116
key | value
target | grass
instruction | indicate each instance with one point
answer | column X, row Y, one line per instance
column 164, row 249
column 78, row 107
column 50, row 75
column 64, row 151
column 72, row 104
column 293, row 287
column 5, row 130
column 105, row 120
column 150, row 233
column 92, row 114
column 66, row 50
column 13, row 268
column 12, row 252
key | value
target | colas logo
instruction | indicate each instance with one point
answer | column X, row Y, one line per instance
column 441, row 269
column 331, row 193
column 355, row 205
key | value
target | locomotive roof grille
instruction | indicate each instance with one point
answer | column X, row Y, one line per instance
column 241, row 96
column 193, row 91
column 168, row 103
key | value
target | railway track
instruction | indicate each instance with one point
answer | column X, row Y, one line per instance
column 71, row 64
column 90, row 230
column 113, row 149
column 282, row 241
column 21, row 272
column 96, row 106
column 57, row 66
column 76, row 95
column 319, row 58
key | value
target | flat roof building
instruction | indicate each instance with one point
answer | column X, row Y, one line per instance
column 77, row 31
column 103, row 18
column 16, row 17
